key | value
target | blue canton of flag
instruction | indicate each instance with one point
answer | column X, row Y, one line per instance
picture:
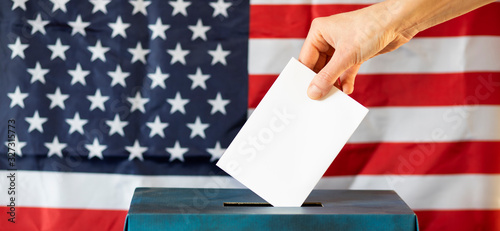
column 143, row 87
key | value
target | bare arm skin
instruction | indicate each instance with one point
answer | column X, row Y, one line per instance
column 337, row 45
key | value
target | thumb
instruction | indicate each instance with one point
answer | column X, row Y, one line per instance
column 323, row 82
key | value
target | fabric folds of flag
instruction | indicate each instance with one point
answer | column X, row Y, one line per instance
column 107, row 96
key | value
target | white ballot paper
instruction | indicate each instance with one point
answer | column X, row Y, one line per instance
column 289, row 141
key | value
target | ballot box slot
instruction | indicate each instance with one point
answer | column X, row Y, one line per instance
column 263, row 204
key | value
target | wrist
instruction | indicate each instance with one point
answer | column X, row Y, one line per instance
column 403, row 21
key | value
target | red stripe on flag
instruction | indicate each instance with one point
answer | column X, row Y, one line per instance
column 417, row 158
column 268, row 21
column 258, row 85
column 57, row 219
column 459, row 220
column 428, row 89
column 289, row 21
column 478, row 88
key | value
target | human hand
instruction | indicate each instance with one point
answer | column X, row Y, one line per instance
column 337, row 45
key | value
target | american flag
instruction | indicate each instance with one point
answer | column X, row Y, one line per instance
column 111, row 95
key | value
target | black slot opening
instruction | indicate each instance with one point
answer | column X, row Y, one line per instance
column 263, row 204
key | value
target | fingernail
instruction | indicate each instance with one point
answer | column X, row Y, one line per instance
column 347, row 89
column 314, row 92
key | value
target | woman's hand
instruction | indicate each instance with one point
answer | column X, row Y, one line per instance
column 337, row 45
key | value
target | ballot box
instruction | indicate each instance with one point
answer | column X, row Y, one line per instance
column 241, row 209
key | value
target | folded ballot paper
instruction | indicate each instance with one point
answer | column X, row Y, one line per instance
column 289, row 141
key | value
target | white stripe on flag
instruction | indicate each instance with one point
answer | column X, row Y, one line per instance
column 95, row 190
column 429, row 192
column 429, row 124
column 114, row 191
column 420, row 55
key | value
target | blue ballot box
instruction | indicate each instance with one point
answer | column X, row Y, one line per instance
column 241, row 209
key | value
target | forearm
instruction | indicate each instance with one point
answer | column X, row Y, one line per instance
column 413, row 16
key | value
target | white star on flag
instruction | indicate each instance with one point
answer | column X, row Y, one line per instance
column 18, row 146
column 17, row 49
column 197, row 128
column 37, row 73
column 218, row 104
column 59, row 4
column 95, row 149
column 198, row 79
column 199, row 30
column 219, row 55
column 179, row 7
column 19, row 3
column 17, row 98
column 97, row 100
column 100, row 5
column 78, row 26
column 76, row 124
column 55, row 148
column 216, row 152
column 116, row 126
column 140, row 6
column 157, row 127
column 177, row 152
column 138, row 53
column 119, row 28
column 136, row 151
column 158, row 78
column 98, row 51
column 137, row 103
column 78, row 75
column 178, row 54
column 58, row 50
column 158, row 29
column 220, row 7
column 36, row 122
column 57, row 99
column 178, row 103
column 118, row 76
column 38, row 25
